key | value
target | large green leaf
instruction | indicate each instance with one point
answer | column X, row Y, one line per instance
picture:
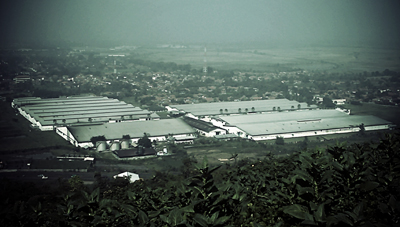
column 214, row 217
column 349, row 159
column 336, row 219
column 301, row 174
column 303, row 190
column 337, row 166
column 319, row 214
column 188, row 209
column 175, row 217
column 143, row 219
column 214, row 169
column 298, row 211
column 201, row 219
column 327, row 175
column 222, row 220
column 369, row 185
column 358, row 210
column 94, row 196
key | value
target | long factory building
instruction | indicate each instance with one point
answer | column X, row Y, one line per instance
column 160, row 130
column 293, row 124
column 78, row 119
column 48, row 114
column 242, row 107
column 269, row 119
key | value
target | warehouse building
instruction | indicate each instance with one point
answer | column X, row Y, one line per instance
column 48, row 114
column 162, row 130
column 293, row 124
column 201, row 110
column 204, row 128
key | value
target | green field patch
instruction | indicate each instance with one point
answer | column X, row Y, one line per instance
column 65, row 164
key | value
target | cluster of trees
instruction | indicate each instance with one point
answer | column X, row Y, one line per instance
column 355, row 185
column 161, row 66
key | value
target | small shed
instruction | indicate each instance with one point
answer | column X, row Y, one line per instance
column 132, row 177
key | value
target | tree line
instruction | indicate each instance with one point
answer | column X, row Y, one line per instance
column 343, row 185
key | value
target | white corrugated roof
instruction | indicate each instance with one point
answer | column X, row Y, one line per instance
column 202, row 109
column 134, row 129
column 74, row 110
column 299, row 121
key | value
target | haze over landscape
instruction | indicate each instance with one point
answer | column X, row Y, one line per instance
column 199, row 113
column 130, row 22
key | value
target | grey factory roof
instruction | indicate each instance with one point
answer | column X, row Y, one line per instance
column 37, row 100
column 299, row 121
column 80, row 109
column 134, row 129
column 54, row 106
column 203, row 109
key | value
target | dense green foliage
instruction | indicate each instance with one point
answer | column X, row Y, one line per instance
column 145, row 141
column 345, row 185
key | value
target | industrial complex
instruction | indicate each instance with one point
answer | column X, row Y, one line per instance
column 120, row 125
column 48, row 114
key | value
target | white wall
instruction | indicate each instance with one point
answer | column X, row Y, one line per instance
column 308, row 133
column 376, row 127
column 236, row 131
column 214, row 132
column 64, row 133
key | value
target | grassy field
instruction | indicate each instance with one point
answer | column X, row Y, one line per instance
column 29, row 139
column 331, row 59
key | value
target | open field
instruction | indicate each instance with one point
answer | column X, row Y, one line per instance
column 330, row 59
column 28, row 138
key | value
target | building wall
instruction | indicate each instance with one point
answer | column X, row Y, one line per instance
column 27, row 116
column 212, row 133
column 64, row 133
column 236, row 131
column 376, row 127
column 46, row 127
column 318, row 132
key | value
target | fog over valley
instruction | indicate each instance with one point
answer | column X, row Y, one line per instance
column 298, row 23
column 199, row 113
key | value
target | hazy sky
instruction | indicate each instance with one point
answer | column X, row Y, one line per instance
column 202, row 21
